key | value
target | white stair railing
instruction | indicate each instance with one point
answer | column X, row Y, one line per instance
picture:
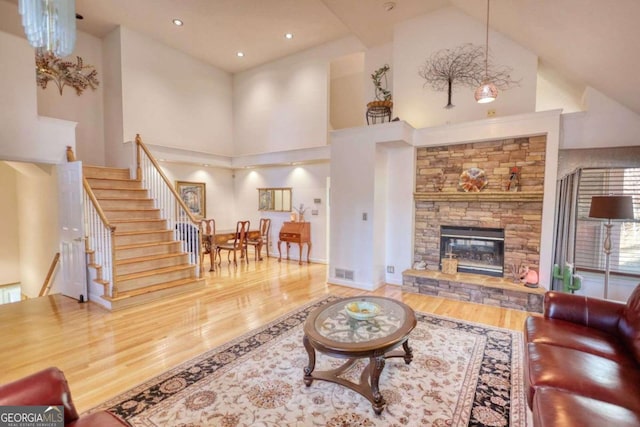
column 179, row 219
column 99, row 239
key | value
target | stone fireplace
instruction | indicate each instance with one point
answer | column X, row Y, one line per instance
column 518, row 214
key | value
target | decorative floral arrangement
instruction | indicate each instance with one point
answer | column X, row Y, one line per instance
column 300, row 210
column 65, row 73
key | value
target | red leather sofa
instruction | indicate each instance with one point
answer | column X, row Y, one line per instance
column 582, row 362
column 49, row 388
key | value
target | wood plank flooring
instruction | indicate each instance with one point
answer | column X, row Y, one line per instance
column 103, row 354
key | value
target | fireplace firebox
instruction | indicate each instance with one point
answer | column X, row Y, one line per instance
column 478, row 250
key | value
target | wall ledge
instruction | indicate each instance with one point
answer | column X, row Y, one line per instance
column 484, row 196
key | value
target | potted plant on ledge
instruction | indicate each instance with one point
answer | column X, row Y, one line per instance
column 381, row 107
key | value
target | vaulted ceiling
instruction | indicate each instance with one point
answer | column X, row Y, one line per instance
column 590, row 42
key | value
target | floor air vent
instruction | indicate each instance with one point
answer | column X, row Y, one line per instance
column 341, row 273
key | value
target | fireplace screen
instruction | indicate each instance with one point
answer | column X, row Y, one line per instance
column 478, row 250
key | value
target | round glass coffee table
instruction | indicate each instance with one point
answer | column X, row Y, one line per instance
column 332, row 330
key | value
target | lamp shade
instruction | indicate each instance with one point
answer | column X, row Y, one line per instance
column 611, row 207
column 486, row 93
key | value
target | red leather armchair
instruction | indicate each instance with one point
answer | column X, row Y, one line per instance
column 582, row 362
column 49, row 387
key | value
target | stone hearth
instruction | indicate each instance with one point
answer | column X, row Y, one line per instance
column 496, row 291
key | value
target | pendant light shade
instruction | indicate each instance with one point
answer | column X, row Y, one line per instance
column 487, row 91
column 50, row 25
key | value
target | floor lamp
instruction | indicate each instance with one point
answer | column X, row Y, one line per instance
column 610, row 207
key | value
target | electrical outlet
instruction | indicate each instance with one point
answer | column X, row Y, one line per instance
column 491, row 112
column 364, row 216
column 390, row 269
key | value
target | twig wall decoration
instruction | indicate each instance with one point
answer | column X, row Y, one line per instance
column 463, row 65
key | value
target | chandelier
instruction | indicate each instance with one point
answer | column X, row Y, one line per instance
column 50, row 25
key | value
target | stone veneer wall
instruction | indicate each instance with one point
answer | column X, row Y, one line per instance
column 522, row 220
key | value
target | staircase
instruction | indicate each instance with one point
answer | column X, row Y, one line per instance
column 148, row 263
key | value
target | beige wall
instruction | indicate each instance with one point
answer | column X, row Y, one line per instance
column 9, row 243
column 346, row 97
column 28, row 224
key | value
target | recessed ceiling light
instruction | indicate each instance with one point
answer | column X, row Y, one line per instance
column 178, row 22
column 288, row 36
column 239, row 54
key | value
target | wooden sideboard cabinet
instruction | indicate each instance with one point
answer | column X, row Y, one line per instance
column 295, row 232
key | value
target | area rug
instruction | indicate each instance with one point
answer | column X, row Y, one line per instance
column 462, row 374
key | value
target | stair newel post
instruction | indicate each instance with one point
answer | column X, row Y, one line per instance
column 114, row 285
column 138, row 156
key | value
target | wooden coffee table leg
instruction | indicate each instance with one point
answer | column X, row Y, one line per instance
column 376, row 365
column 408, row 352
column 308, row 370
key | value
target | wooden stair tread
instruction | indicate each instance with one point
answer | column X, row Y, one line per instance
column 148, row 258
column 141, row 232
column 133, row 199
column 146, row 245
column 134, row 220
column 132, row 209
column 141, row 291
column 154, row 272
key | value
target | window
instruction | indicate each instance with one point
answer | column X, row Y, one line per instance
column 590, row 233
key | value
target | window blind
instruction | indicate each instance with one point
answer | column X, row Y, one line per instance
column 590, row 232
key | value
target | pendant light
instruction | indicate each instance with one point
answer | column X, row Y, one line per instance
column 487, row 91
column 50, row 25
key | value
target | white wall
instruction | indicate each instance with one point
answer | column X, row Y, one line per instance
column 605, row 123
column 400, row 210
column 86, row 109
column 219, row 183
column 360, row 183
column 352, row 194
column 10, row 241
column 417, row 39
column 284, row 105
column 172, row 99
column 25, row 136
column 307, row 182
column 554, row 91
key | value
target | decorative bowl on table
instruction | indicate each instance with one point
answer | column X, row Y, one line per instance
column 362, row 310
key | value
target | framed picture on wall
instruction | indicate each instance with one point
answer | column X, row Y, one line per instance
column 194, row 195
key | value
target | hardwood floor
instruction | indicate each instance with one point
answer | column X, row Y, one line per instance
column 103, row 354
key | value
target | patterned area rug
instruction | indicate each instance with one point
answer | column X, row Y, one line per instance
column 462, row 374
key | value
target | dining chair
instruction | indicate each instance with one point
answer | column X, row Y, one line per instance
column 209, row 246
column 262, row 239
column 239, row 243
